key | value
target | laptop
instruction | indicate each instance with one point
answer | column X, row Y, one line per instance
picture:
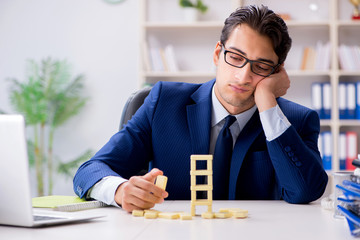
column 15, row 201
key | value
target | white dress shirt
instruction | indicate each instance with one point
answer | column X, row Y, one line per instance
column 273, row 121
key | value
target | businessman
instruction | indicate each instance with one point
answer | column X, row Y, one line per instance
column 264, row 146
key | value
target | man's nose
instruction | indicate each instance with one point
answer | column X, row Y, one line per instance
column 244, row 74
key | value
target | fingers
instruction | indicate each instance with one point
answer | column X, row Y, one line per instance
column 151, row 176
column 140, row 192
column 270, row 88
column 280, row 82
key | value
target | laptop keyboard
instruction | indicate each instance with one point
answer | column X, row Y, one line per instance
column 44, row 218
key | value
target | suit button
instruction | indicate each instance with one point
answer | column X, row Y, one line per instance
column 298, row 164
column 287, row 149
column 294, row 159
column 291, row 154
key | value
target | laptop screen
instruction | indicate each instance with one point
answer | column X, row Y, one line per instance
column 15, row 200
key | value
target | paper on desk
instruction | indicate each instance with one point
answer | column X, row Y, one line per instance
column 54, row 201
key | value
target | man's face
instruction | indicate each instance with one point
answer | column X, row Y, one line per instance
column 235, row 86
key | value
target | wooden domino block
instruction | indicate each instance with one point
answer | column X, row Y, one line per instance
column 151, row 214
column 243, row 214
column 235, row 212
column 223, row 215
column 161, row 181
column 138, row 213
column 151, row 210
column 185, row 216
column 208, row 215
column 169, row 215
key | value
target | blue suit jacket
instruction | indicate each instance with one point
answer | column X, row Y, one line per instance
column 174, row 122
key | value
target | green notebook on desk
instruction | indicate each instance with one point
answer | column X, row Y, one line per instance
column 65, row 203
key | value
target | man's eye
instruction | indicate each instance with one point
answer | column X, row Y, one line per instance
column 236, row 58
column 262, row 67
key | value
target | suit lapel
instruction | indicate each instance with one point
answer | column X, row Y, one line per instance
column 247, row 136
column 199, row 118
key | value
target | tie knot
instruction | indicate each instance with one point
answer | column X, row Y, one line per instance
column 229, row 120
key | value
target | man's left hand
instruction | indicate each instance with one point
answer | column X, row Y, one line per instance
column 270, row 88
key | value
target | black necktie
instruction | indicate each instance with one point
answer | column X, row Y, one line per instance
column 222, row 160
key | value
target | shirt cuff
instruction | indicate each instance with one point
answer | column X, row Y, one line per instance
column 274, row 122
column 105, row 189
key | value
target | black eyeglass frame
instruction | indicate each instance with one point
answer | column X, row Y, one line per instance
column 274, row 68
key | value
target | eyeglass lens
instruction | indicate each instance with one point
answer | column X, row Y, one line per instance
column 239, row 61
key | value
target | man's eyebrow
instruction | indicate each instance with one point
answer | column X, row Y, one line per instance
column 259, row 59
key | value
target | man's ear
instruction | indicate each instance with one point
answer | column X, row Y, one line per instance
column 216, row 54
column 279, row 67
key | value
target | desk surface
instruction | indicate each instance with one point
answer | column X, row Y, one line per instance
column 267, row 220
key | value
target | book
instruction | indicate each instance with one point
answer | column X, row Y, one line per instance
column 305, row 58
column 327, row 149
column 317, row 58
column 350, row 101
column 65, row 203
column 351, row 149
column 310, row 63
column 357, row 109
column 146, row 57
column 316, row 98
column 320, row 145
column 349, row 57
column 326, row 57
column 342, row 100
column 171, row 60
column 342, row 151
column 326, row 91
column 156, row 60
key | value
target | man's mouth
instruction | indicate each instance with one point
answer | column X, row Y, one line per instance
column 239, row 89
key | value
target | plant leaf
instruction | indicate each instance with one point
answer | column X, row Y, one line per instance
column 68, row 168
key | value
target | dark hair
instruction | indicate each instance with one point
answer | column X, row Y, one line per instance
column 264, row 21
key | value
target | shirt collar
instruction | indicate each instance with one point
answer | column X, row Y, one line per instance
column 218, row 112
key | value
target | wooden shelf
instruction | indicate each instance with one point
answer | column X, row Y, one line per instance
column 179, row 74
column 296, row 23
column 171, row 25
column 348, row 23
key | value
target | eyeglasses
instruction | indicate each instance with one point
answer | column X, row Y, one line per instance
column 259, row 68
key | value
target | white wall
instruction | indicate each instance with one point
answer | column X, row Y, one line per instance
column 100, row 40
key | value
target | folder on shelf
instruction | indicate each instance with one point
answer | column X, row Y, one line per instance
column 357, row 109
column 320, row 145
column 326, row 91
column 350, row 101
column 327, row 150
column 342, row 100
column 351, row 149
column 342, row 151
column 316, row 98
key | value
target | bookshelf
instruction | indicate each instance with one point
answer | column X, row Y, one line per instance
column 311, row 21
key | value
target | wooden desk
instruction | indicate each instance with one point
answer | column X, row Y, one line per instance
column 267, row 220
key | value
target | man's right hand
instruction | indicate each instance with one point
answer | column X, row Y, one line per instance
column 140, row 192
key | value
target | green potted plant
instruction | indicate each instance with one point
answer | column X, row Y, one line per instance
column 47, row 99
column 192, row 9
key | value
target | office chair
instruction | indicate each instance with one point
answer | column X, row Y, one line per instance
column 133, row 103
column 135, row 100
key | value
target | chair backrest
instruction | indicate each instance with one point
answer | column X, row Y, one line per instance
column 133, row 103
